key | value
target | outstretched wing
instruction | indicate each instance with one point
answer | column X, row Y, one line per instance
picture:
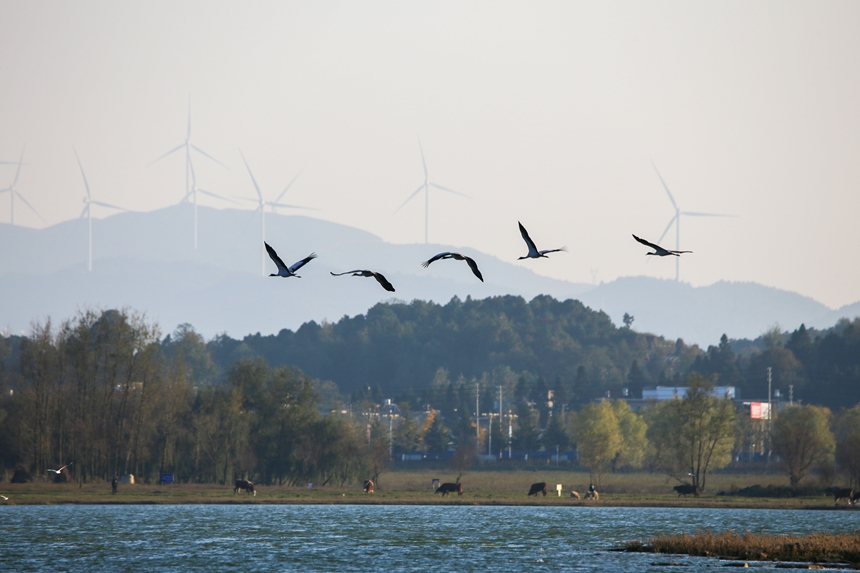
column 426, row 264
column 527, row 239
column 384, row 282
column 299, row 264
column 474, row 266
column 274, row 256
column 346, row 273
column 652, row 245
column 552, row 251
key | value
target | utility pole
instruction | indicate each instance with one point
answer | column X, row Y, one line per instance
column 769, row 412
column 501, row 418
column 477, row 414
column 791, row 394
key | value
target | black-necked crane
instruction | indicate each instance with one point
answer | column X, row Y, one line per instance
column 457, row 256
column 658, row 250
column 364, row 273
column 533, row 252
column 284, row 270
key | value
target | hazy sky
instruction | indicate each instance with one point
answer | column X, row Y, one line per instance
column 543, row 112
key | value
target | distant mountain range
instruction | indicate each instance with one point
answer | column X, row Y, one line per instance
column 146, row 261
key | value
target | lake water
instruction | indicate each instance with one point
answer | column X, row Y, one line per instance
column 248, row 538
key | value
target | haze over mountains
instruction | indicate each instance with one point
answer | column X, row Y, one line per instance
column 146, row 261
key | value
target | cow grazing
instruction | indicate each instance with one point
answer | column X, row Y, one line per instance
column 574, row 494
column 842, row 493
column 537, row 488
column 368, row 486
column 447, row 488
column 686, row 489
column 246, row 485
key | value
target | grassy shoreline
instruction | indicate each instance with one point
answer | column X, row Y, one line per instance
column 412, row 487
column 830, row 548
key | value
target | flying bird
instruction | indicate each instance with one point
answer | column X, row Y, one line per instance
column 59, row 471
column 4, row 498
column 533, row 252
column 658, row 250
column 284, row 270
column 361, row 273
column 472, row 264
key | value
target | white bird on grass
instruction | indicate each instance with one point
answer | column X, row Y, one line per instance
column 457, row 256
column 362, row 273
column 533, row 252
column 658, row 250
column 284, row 270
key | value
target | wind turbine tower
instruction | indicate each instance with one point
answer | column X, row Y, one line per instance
column 88, row 203
column 676, row 220
column 426, row 187
column 190, row 180
column 13, row 192
column 262, row 204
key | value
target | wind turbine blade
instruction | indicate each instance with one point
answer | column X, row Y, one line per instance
column 410, row 198
column 84, row 175
column 27, row 203
column 102, row 204
column 693, row 214
column 669, row 226
column 257, row 187
column 18, row 172
column 205, row 192
column 198, row 150
column 290, row 185
column 174, row 150
column 424, row 163
column 188, row 133
column 251, row 218
column 285, row 206
column 450, row 190
column 672, row 199
column 84, row 212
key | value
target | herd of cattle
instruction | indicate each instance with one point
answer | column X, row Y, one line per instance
column 847, row 494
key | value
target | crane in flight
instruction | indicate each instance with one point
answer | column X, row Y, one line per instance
column 364, row 273
column 534, row 253
column 284, row 270
column 457, row 256
column 658, row 250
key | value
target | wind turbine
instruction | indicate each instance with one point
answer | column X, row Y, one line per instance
column 88, row 203
column 13, row 192
column 191, row 189
column 262, row 204
column 676, row 220
column 426, row 186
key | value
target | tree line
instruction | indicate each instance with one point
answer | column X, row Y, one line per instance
column 106, row 391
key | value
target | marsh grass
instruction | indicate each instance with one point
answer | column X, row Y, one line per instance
column 814, row 547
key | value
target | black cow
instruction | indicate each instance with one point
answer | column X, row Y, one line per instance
column 537, row 488
column 447, row 488
column 842, row 492
column 687, row 489
column 246, row 485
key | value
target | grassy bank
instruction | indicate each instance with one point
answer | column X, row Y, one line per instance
column 815, row 547
column 413, row 486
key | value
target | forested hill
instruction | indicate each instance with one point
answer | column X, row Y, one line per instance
column 399, row 346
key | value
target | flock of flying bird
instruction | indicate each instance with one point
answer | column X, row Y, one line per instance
column 290, row 271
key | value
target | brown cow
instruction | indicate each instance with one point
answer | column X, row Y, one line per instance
column 246, row 485
column 447, row 488
column 574, row 494
column 686, row 489
column 368, row 486
column 537, row 488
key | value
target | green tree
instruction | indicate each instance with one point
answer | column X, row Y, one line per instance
column 802, row 438
column 555, row 436
column 527, row 432
column 434, row 434
column 693, row 434
column 598, row 437
column 634, row 443
column 847, row 435
column 407, row 434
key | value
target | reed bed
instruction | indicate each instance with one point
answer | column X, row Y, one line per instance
column 814, row 547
